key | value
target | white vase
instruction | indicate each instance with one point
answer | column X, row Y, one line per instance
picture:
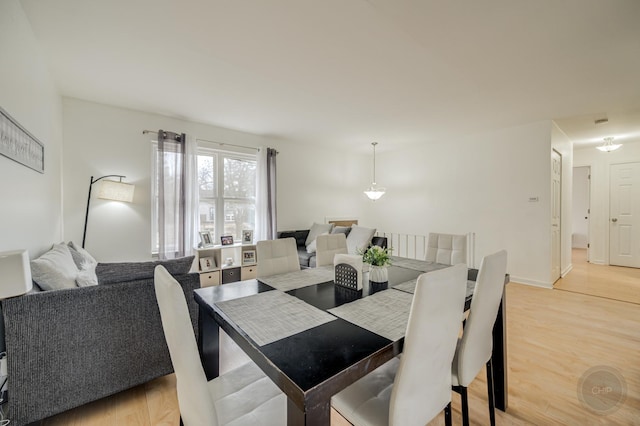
column 378, row 274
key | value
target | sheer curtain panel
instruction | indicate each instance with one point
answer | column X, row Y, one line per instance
column 266, row 224
column 177, row 194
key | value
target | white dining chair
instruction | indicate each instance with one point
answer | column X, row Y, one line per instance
column 277, row 257
column 243, row 396
column 327, row 246
column 475, row 347
column 413, row 389
column 447, row 249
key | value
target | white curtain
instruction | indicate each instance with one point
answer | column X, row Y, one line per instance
column 177, row 195
column 266, row 224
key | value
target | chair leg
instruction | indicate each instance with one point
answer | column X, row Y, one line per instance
column 465, row 406
column 447, row 415
column 490, row 393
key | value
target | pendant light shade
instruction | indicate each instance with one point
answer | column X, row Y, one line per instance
column 374, row 192
column 608, row 145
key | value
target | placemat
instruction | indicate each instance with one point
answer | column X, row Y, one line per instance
column 416, row 265
column 273, row 315
column 299, row 279
column 385, row 313
column 410, row 287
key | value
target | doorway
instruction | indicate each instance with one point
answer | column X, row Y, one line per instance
column 624, row 215
column 581, row 210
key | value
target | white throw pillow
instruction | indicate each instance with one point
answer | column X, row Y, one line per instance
column 359, row 239
column 87, row 275
column 55, row 269
column 317, row 229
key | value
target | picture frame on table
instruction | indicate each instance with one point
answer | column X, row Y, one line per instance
column 226, row 240
column 207, row 263
column 248, row 257
column 206, row 239
column 247, row 236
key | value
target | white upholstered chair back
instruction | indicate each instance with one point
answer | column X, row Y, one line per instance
column 277, row 257
column 422, row 387
column 327, row 246
column 196, row 405
column 447, row 249
column 476, row 345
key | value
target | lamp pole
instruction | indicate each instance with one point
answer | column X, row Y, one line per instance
column 86, row 216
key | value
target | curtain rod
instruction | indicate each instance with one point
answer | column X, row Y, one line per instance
column 144, row 132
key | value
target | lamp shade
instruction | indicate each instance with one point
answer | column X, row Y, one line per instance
column 117, row 191
column 15, row 273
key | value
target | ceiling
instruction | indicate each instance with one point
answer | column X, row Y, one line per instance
column 348, row 72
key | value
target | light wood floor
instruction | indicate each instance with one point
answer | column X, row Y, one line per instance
column 613, row 282
column 554, row 337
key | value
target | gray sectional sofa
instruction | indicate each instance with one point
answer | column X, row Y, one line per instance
column 68, row 347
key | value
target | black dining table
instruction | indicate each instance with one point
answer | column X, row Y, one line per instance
column 312, row 364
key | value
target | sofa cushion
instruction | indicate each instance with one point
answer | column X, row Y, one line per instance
column 317, row 229
column 341, row 230
column 359, row 238
column 55, row 269
column 86, row 265
column 109, row 273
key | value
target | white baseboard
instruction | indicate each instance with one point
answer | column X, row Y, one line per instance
column 598, row 262
column 566, row 270
column 534, row 283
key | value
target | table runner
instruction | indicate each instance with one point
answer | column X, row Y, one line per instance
column 410, row 287
column 385, row 313
column 273, row 315
column 299, row 279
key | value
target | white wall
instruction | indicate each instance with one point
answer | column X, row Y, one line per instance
column 482, row 184
column 102, row 140
column 315, row 183
column 31, row 212
column 600, row 172
column 580, row 228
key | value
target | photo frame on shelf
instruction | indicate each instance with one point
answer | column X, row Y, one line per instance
column 206, row 239
column 248, row 257
column 247, row 236
column 207, row 263
column 226, row 240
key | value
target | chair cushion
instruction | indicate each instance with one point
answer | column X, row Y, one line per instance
column 245, row 396
column 367, row 400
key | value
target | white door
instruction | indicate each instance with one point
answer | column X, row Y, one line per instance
column 624, row 215
column 556, row 179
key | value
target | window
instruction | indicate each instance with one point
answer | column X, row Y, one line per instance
column 227, row 190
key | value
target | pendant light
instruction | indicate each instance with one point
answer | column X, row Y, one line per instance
column 374, row 192
column 608, row 145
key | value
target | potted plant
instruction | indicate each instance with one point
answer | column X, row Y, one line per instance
column 379, row 258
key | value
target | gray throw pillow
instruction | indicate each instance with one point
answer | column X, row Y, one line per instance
column 55, row 269
column 359, row 239
column 317, row 229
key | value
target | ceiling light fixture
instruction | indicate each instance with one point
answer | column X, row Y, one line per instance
column 608, row 145
column 374, row 192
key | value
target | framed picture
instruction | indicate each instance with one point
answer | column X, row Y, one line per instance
column 207, row 263
column 247, row 236
column 249, row 257
column 206, row 239
column 226, row 240
column 17, row 144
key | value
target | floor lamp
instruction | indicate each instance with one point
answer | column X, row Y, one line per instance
column 109, row 190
